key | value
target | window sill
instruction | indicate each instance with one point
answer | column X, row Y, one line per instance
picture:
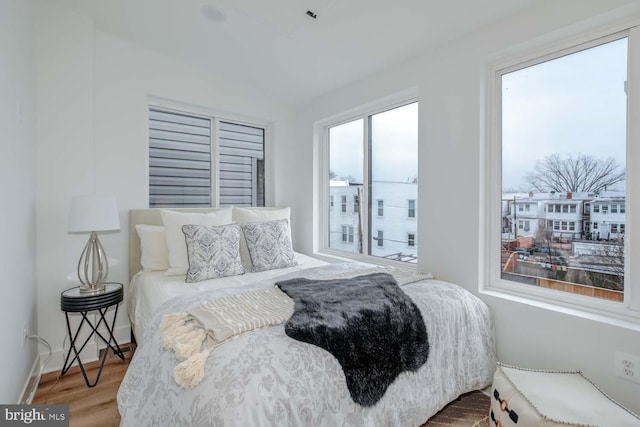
column 338, row 256
column 622, row 317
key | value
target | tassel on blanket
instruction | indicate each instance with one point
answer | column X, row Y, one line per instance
column 173, row 327
column 189, row 344
column 189, row 373
column 168, row 326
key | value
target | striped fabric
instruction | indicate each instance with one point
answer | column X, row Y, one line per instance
column 228, row 316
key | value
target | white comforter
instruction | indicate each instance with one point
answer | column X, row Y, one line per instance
column 265, row 378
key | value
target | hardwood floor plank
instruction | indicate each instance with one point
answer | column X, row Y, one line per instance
column 88, row 407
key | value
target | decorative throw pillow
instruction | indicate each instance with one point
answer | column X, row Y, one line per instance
column 173, row 222
column 269, row 244
column 154, row 255
column 242, row 215
column 213, row 251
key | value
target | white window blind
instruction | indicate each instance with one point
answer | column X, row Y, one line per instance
column 179, row 160
column 241, row 165
column 182, row 166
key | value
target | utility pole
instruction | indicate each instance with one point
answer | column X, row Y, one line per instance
column 359, row 222
column 515, row 220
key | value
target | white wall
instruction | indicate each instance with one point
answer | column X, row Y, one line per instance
column 93, row 94
column 450, row 81
column 17, row 192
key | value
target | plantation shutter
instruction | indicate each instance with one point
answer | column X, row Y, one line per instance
column 241, row 167
column 179, row 160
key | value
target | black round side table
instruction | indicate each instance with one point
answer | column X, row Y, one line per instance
column 73, row 301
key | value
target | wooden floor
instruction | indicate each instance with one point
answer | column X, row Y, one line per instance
column 87, row 406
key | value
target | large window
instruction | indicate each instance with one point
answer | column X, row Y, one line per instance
column 560, row 140
column 200, row 161
column 373, row 159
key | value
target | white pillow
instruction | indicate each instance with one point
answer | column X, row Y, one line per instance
column 176, row 244
column 242, row 215
column 154, row 255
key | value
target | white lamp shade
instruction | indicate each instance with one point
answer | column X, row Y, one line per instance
column 93, row 213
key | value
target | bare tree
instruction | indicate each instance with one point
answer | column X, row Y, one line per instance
column 582, row 173
column 332, row 174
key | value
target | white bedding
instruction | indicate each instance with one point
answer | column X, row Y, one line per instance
column 265, row 378
column 148, row 291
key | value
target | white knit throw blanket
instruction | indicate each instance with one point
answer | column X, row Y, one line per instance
column 194, row 334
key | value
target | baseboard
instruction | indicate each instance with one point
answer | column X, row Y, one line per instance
column 122, row 334
column 31, row 385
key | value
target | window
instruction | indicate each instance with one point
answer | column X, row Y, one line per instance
column 182, row 172
column 331, row 201
column 520, row 208
column 623, row 208
column 411, row 240
column 614, row 228
column 347, row 234
column 527, row 207
column 344, row 203
column 373, row 158
column 545, row 112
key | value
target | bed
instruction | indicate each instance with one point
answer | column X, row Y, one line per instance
column 266, row 378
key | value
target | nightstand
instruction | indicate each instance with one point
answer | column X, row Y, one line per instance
column 73, row 301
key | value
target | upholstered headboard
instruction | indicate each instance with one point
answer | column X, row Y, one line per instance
column 152, row 217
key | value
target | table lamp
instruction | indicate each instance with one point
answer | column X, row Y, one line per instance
column 91, row 214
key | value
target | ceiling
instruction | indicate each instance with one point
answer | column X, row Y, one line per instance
column 273, row 45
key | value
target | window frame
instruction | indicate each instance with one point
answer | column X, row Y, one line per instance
column 626, row 313
column 216, row 116
column 321, row 130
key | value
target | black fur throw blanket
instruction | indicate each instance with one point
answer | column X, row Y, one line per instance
column 367, row 322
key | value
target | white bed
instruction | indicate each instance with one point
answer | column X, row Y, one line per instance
column 265, row 378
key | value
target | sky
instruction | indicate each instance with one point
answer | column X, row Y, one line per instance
column 573, row 104
column 394, row 141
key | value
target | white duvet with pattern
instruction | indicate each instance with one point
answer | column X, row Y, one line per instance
column 265, row 378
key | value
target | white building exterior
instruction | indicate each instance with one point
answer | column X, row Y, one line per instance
column 393, row 225
column 607, row 218
column 567, row 216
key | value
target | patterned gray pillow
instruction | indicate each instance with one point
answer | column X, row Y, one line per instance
column 213, row 251
column 269, row 244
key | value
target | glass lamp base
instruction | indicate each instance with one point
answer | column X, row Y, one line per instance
column 89, row 289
